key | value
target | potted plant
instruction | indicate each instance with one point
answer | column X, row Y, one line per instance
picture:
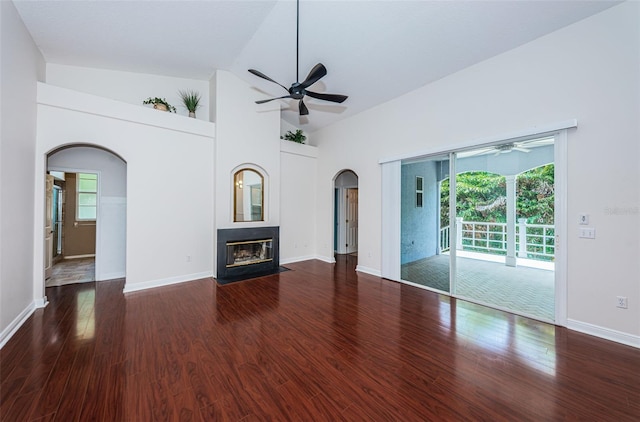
column 298, row 136
column 191, row 101
column 160, row 104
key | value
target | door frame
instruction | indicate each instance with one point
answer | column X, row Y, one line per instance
column 48, row 225
column 98, row 264
column 351, row 244
column 341, row 225
column 58, row 203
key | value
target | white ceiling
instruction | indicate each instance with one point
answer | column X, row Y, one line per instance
column 374, row 50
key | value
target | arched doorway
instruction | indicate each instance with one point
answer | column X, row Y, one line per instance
column 345, row 234
column 85, row 215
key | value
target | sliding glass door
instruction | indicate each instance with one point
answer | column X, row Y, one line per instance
column 505, row 227
column 424, row 234
column 486, row 235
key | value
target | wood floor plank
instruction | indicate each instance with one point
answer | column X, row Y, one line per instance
column 56, row 383
column 72, row 400
column 319, row 342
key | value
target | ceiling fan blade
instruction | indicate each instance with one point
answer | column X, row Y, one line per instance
column 263, row 76
column 303, row 109
column 314, row 76
column 271, row 99
column 521, row 149
column 336, row 98
column 475, row 152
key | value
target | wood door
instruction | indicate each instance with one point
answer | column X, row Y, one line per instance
column 48, row 227
column 352, row 220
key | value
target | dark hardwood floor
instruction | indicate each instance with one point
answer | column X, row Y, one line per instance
column 320, row 342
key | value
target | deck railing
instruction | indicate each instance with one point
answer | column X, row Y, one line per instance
column 533, row 241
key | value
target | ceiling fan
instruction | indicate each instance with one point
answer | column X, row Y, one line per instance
column 298, row 90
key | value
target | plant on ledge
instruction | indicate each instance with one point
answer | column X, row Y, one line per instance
column 191, row 101
column 160, row 104
column 295, row 137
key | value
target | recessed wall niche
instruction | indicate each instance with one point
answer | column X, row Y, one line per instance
column 248, row 195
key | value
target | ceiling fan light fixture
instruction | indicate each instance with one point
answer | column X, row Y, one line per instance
column 505, row 147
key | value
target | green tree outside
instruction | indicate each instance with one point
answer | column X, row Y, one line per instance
column 481, row 196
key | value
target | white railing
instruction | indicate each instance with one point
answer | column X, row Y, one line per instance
column 483, row 237
column 533, row 241
column 445, row 239
column 538, row 241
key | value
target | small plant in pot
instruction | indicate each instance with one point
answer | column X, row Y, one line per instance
column 191, row 101
column 297, row 137
column 160, row 104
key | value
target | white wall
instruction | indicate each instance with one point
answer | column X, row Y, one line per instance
column 170, row 168
column 298, row 168
column 129, row 87
column 588, row 71
column 112, row 204
column 21, row 66
column 246, row 134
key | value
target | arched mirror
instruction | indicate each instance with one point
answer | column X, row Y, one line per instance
column 248, row 196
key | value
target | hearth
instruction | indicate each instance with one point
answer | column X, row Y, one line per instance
column 247, row 252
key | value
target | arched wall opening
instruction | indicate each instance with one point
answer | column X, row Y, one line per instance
column 79, row 237
column 345, row 213
column 170, row 173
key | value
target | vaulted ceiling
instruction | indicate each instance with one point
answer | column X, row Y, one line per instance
column 374, row 50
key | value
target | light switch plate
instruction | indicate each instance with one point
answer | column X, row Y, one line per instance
column 587, row 233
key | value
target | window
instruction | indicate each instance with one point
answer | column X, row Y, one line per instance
column 419, row 191
column 87, row 196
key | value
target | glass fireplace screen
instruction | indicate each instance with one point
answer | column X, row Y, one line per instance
column 249, row 252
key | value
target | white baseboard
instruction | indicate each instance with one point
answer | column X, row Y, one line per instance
column 111, row 276
column 605, row 333
column 134, row 287
column 41, row 302
column 17, row 322
column 296, row 259
column 330, row 260
column 89, row 255
column 367, row 270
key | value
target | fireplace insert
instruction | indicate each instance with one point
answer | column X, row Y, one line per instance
column 249, row 252
column 246, row 253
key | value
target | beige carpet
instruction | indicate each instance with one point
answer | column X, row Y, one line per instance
column 71, row 271
column 527, row 291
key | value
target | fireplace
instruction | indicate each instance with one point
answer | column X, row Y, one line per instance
column 249, row 252
column 246, row 253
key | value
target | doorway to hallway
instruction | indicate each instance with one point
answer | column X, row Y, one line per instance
column 91, row 218
column 346, row 213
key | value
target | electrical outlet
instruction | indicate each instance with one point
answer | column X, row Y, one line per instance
column 621, row 302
